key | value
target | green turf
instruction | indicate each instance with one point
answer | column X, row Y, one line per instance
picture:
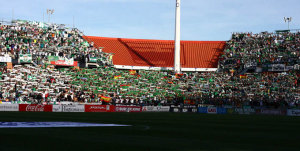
column 153, row 131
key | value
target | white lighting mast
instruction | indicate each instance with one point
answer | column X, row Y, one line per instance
column 49, row 13
column 177, row 67
column 288, row 20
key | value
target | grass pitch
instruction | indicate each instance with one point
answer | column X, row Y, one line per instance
column 153, row 131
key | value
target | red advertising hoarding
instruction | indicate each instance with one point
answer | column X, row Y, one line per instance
column 128, row 109
column 35, row 108
column 98, row 108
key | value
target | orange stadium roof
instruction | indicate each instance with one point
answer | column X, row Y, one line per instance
column 160, row 53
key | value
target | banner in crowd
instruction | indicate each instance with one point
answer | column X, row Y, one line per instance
column 93, row 59
column 98, row 108
column 279, row 67
column 132, row 72
column 9, row 107
column 105, row 99
column 189, row 102
column 5, row 59
column 250, row 64
column 65, row 62
column 25, row 58
column 128, row 109
column 293, row 112
column 243, row 76
column 35, row 108
column 53, row 58
column 156, row 108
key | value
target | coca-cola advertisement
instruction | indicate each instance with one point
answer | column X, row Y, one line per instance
column 35, row 108
column 128, row 109
column 212, row 110
column 98, row 108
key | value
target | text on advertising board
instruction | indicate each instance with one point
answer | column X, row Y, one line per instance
column 35, row 108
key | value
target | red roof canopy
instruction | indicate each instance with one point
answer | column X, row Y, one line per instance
column 160, row 53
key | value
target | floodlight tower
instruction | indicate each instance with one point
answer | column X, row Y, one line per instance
column 49, row 13
column 177, row 39
column 288, row 19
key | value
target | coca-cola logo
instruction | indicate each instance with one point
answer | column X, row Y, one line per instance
column 35, row 108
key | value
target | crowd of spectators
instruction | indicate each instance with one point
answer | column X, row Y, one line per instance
column 262, row 50
column 254, row 70
column 43, row 40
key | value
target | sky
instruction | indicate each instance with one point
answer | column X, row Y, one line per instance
column 206, row 20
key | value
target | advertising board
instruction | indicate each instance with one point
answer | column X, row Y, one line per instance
column 191, row 108
column 5, row 59
column 175, row 109
column 221, row 110
column 156, row 108
column 184, row 109
column 202, row 109
column 57, row 108
column 212, row 110
column 35, row 108
column 97, row 108
column 293, row 112
column 271, row 111
column 9, row 107
column 244, row 111
column 72, row 108
column 128, row 109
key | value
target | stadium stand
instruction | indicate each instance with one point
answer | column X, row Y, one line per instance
column 253, row 69
column 160, row 53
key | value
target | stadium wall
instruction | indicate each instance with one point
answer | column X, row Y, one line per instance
column 164, row 68
column 132, row 108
